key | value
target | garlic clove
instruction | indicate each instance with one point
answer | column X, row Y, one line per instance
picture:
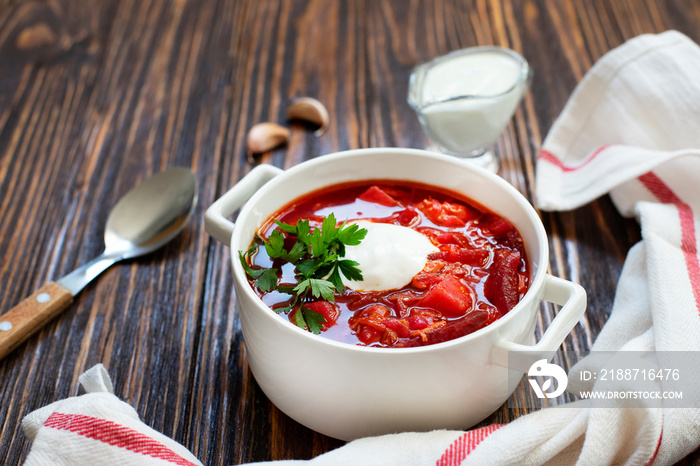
column 311, row 110
column 264, row 137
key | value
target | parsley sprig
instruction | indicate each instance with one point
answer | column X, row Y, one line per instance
column 316, row 254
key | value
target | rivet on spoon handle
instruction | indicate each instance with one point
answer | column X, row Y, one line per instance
column 23, row 320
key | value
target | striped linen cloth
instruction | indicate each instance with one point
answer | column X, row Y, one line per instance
column 97, row 428
column 631, row 129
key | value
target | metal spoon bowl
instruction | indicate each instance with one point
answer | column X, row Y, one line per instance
column 146, row 218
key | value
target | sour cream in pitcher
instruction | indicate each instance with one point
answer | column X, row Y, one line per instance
column 465, row 99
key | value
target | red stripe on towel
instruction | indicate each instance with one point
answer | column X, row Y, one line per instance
column 460, row 448
column 663, row 193
column 115, row 435
column 658, row 444
column 551, row 158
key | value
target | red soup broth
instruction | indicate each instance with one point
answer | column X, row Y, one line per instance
column 479, row 274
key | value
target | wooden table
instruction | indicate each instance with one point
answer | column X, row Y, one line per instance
column 95, row 96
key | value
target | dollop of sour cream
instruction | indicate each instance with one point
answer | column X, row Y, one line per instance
column 389, row 256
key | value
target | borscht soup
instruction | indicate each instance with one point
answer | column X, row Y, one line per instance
column 387, row 263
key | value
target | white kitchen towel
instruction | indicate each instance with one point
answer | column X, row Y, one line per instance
column 635, row 110
column 97, row 428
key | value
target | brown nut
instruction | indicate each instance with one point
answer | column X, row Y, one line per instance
column 264, row 137
column 311, row 110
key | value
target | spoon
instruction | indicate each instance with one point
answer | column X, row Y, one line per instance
column 145, row 219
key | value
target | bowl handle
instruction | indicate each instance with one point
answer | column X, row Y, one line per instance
column 572, row 298
column 215, row 221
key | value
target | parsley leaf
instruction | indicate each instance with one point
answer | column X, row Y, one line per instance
column 291, row 229
column 322, row 289
column 329, row 232
column 267, row 280
column 284, row 288
column 336, row 280
column 299, row 320
column 303, row 230
column 307, row 267
column 350, row 270
column 297, row 252
column 284, row 309
column 318, row 246
column 275, row 245
column 352, row 235
column 313, row 319
column 252, row 273
column 319, row 288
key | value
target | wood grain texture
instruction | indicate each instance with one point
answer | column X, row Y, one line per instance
column 96, row 96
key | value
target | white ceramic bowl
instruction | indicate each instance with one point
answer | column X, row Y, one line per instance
column 348, row 391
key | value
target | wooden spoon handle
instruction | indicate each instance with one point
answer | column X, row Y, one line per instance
column 23, row 320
